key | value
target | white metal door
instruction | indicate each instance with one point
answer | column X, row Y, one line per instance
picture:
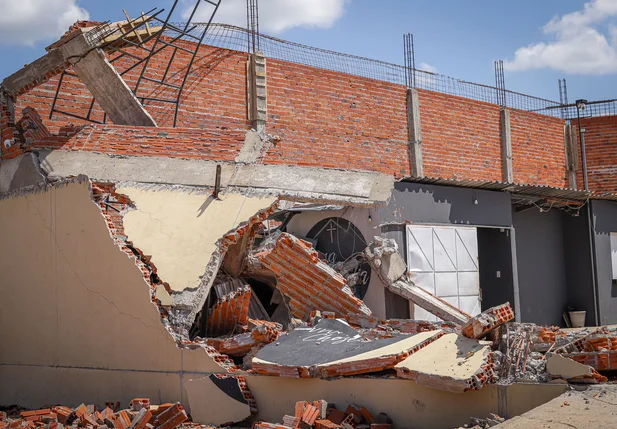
column 444, row 261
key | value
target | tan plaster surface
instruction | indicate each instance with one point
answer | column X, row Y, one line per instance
column 180, row 229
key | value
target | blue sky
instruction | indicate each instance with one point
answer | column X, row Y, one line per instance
column 541, row 41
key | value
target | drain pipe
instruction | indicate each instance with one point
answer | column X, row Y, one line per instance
column 580, row 105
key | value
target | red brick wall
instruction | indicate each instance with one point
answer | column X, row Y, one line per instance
column 334, row 120
column 538, row 149
column 601, row 148
column 460, row 137
column 214, row 97
column 324, row 119
column 126, row 140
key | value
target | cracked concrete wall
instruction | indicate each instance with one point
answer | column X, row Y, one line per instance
column 77, row 316
column 180, row 228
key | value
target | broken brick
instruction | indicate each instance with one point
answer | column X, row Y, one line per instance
column 480, row 325
column 172, row 417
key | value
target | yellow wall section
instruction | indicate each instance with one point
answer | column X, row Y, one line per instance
column 180, row 229
column 72, row 299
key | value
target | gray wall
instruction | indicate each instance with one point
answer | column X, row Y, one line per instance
column 579, row 271
column 605, row 222
column 541, row 266
column 447, row 205
column 495, row 255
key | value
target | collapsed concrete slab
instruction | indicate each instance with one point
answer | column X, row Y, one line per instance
column 559, row 366
column 332, row 349
column 382, row 254
column 292, row 183
column 452, row 363
column 220, row 400
column 180, row 227
column 308, row 281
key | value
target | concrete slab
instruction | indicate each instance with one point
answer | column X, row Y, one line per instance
column 219, row 400
column 179, row 229
column 568, row 369
column 453, row 363
column 292, row 183
column 332, row 348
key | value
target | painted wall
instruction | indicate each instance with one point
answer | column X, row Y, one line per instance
column 541, row 266
column 605, row 222
column 495, row 256
column 82, row 323
column 579, row 271
column 408, row 404
column 430, row 204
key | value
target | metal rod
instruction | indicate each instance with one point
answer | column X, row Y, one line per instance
column 217, row 182
column 188, row 69
column 53, row 105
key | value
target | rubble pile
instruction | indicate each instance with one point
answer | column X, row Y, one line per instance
column 322, row 415
column 140, row 415
column 489, row 422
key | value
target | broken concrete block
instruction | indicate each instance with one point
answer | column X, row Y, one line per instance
column 483, row 323
column 220, row 399
column 291, row 421
column 173, row 417
column 383, row 256
column 453, row 363
column 559, row 366
column 308, row 281
column 332, row 349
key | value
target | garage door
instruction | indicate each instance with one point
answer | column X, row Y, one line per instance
column 444, row 261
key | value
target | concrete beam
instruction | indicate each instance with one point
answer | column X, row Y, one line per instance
column 34, row 73
column 365, row 189
column 571, row 154
column 506, row 146
column 257, row 91
column 383, row 257
column 415, row 133
column 105, row 83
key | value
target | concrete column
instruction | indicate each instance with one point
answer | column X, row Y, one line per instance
column 257, row 91
column 105, row 83
column 415, row 133
column 506, row 146
column 570, row 142
column 517, row 293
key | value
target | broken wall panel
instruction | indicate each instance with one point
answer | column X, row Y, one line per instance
column 95, row 319
column 256, row 308
column 452, row 363
column 308, row 281
column 220, row 400
column 180, row 228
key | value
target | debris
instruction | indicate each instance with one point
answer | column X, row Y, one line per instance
column 559, row 366
column 383, row 257
column 308, row 281
column 488, row 320
column 229, row 311
column 453, row 363
column 311, row 415
column 332, row 349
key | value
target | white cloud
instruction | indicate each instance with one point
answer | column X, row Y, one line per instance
column 427, row 67
column 25, row 22
column 275, row 16
column 579, row 46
